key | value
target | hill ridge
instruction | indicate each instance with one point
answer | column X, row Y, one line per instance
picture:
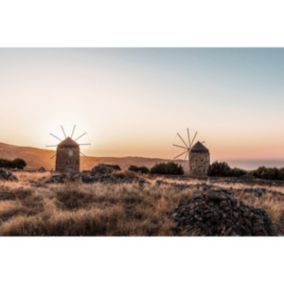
column 38, row 157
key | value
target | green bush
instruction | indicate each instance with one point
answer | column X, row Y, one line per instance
column 167, row 169
column 15, row 164
column 222, row 169
column 142, row 170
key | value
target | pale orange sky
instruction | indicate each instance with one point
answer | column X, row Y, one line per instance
column 133, row 101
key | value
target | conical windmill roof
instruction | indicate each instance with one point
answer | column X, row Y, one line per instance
column 68, row 142
column 199, row 148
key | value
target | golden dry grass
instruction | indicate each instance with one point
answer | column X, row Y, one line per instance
column 32, row 208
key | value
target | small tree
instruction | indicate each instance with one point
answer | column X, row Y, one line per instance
column 19, row 164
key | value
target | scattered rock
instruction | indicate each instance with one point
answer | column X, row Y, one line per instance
column 42, row 170
column 182, row 186
column 7, row 176
column 102, row 176
column 104, row 169
column 7, row 195
column 65, row 177
column 260, row 192
column 218, row 213
column 57, row 179
column 112, row 178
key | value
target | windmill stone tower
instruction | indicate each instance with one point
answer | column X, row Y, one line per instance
column 68, row 156
column 68, row 152
column 199, row 160
column 197, row 155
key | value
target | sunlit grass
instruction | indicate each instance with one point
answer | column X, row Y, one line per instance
column 30, row 207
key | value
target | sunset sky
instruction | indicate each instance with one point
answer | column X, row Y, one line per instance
column 133, row 101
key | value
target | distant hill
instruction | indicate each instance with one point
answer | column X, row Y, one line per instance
column 37, row 158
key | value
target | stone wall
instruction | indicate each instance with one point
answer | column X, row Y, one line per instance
column 67, row 159
column 199, row 164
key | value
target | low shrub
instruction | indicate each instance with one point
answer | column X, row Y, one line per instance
column 219, row 169
column 222, row 169
column 141, row 170
column 167, row 169
column 19, row 164
column 269, row 173
column 236, row 172
column 114, row 167
column 105, row 169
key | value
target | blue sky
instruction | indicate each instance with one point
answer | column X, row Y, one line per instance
column 133, row 101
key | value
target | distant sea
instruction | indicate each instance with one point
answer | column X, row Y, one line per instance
column 254, row 164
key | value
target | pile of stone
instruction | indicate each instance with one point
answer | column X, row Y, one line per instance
column 63, row 178
column 105, row 169
column 7, row 176
column 102, row 173
column 218, row 213
column 111, row 178
column 42, row 170
column 260, row 192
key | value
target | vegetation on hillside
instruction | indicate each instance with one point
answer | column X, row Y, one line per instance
column 141, row 170
column 167, row 169
column 269, row 173
column 19, row 164
column 109, row 166
column 222, row 169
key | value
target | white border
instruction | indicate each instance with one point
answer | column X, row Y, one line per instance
column 147, row 23
column 143, row 23
column 141, row 260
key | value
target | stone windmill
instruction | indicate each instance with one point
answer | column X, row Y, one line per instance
column 68, row 152
column 197, row 154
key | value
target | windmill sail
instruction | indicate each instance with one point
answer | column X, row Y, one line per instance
column 185, row 146
column 68, row 140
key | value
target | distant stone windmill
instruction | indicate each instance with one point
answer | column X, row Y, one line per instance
column 197, row 154
column 68, row 151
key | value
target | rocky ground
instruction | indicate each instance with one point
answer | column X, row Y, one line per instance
column 7, row 176
column 219, row 213
column 99, row 174
column 108, row 202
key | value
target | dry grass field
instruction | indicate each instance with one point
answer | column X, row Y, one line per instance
column 32, row 207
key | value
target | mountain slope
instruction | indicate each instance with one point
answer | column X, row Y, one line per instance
column 37, row 158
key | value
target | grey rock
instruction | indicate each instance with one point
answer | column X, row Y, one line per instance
column 7, row 176
column 219, row 213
